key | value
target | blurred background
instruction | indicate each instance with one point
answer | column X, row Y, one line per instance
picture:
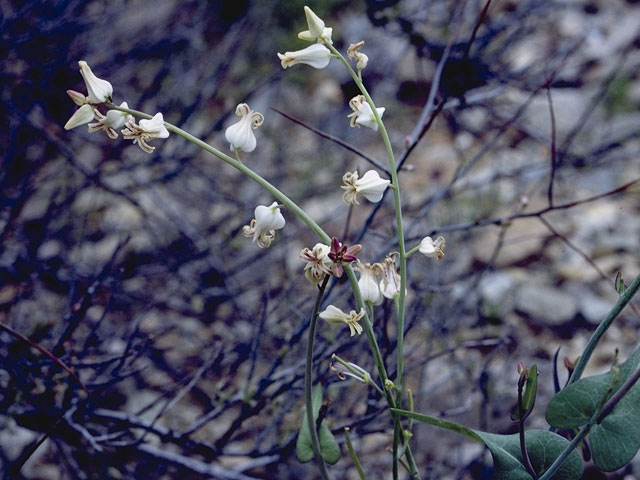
column 519, row 130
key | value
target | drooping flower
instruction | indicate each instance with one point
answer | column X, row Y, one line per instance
column 81, row 116
column 390, row 283
column 350, row 370
column 371, row 186
column 353, row 52
column 113, row 120
column 263, row 227
column 431, row 248
column 340, row 254
column 369, row 287
column 318, row 263
column 362, row 114
column 316, row 55
column 317, row 30
column 240, row 135
column 335, row 316
column 99, row 91
column 145, row 131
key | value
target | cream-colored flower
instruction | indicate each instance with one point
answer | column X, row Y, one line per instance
column 431, row 248
column 145, row 131
column 99, row 91
column 368, row 284
column 263, row 227
column 81, row 116
column 113, row 120
column 316, row 55
column 370, row 186
column 240, row 135
column 317, row 30
column 334, row 316
column 390, row 283
column 362, row 114
column 77, row 97
column 318, row 263
column 353, row 52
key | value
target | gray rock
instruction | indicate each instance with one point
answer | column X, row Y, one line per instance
column 545, row 305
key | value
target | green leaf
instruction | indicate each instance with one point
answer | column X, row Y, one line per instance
column 543, row 447
column 328, row 445
column 616, row 439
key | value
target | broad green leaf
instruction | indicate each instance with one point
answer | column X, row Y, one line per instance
column 575, row 405
column 543, row 447
column 328, row 445
column 616, row 439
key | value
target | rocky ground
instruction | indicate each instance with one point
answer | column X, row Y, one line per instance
column 133, row 270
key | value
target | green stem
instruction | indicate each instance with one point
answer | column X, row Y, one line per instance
column 624, row 298
column 238, row 165
column 352, row 454
column 395, row 186
column 313, row 432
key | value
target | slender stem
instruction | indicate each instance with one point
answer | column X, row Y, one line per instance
column 395, row 186
column 281, row 197
column 315, row 442
column 624, row 298
column 352, row 454
column 523, row 444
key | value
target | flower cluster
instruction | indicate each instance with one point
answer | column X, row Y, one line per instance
column 100, row 91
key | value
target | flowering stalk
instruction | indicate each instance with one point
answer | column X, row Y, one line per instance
column 401, row 251
column 285, row 201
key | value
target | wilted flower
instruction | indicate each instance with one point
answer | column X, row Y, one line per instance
column 371, row 186
column 368, row 284
column 431, row 248
column 316, row 55
column 113, row 120
column 145, row 131
column 344, row 371
column 240, row 135
column 263, row 227
column 353, row 52
column 362, row 113
column 318, row 263
column 317, row 30
column 340, row 254
column 81, row 116
column 390, row 283
column 334, row 316
column 99, row 91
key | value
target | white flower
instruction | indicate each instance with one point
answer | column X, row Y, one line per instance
column 240, row 135
column 334, row 316
column 81, row 116
column 99, row 90
column 390, row 283
column 77, row 97
column 431, row 248
column 113, row 120
column 145, row 131
column 262, row 228
column 371, row 186
column 362, row 113
column 318, row 263
column 316, row 55
column 317, row 30
column 368, row 284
